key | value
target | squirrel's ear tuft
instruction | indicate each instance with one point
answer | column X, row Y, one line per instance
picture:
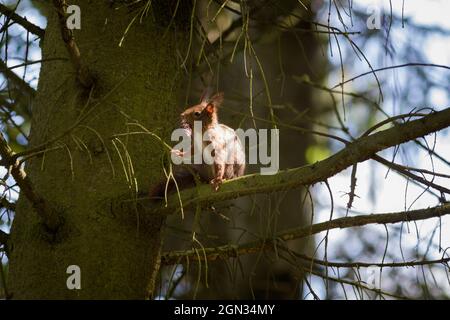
column 210, row 108
column 217, row 99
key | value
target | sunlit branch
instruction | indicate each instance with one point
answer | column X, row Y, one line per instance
column 359, row 150
column 83, row 74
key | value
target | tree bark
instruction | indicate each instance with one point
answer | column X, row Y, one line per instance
column 114, row 242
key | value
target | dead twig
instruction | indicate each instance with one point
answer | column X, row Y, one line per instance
column 30, row 27
column 83, row 74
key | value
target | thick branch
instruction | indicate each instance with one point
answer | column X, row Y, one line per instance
column 49, row 217
column 22, row 21
column 360, row 150
column 228, row 251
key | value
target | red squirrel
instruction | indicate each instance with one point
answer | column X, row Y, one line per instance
column 222, row 141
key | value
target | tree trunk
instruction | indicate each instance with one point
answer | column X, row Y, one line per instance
column 114, row 242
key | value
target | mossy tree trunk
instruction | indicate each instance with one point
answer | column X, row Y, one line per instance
column 116, row 244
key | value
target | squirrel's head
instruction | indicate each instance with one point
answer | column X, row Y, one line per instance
column 205, row 111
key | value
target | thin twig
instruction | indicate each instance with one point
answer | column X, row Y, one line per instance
column 412, row 64
column 16, row 80
column 360, row 150
column 34, row 29
column 49, row 217
column 4, row 237
column 4, row 203
column 228, row 251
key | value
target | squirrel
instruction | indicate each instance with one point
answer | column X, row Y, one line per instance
column 226, row 150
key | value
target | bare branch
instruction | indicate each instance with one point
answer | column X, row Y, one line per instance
column 22, row 21
column 358, row 284
column 412, row 64
column 228, row 251
column 83, row 74
column 16, row 80
column 4, row 203
column 360, row 150
column 3, row 238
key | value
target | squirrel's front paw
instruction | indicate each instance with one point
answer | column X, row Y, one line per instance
column 215, row 183
column 178, row 153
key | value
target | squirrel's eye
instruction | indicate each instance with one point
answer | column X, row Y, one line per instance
column 197, row 113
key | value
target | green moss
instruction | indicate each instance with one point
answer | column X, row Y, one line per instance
column 116, row 247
